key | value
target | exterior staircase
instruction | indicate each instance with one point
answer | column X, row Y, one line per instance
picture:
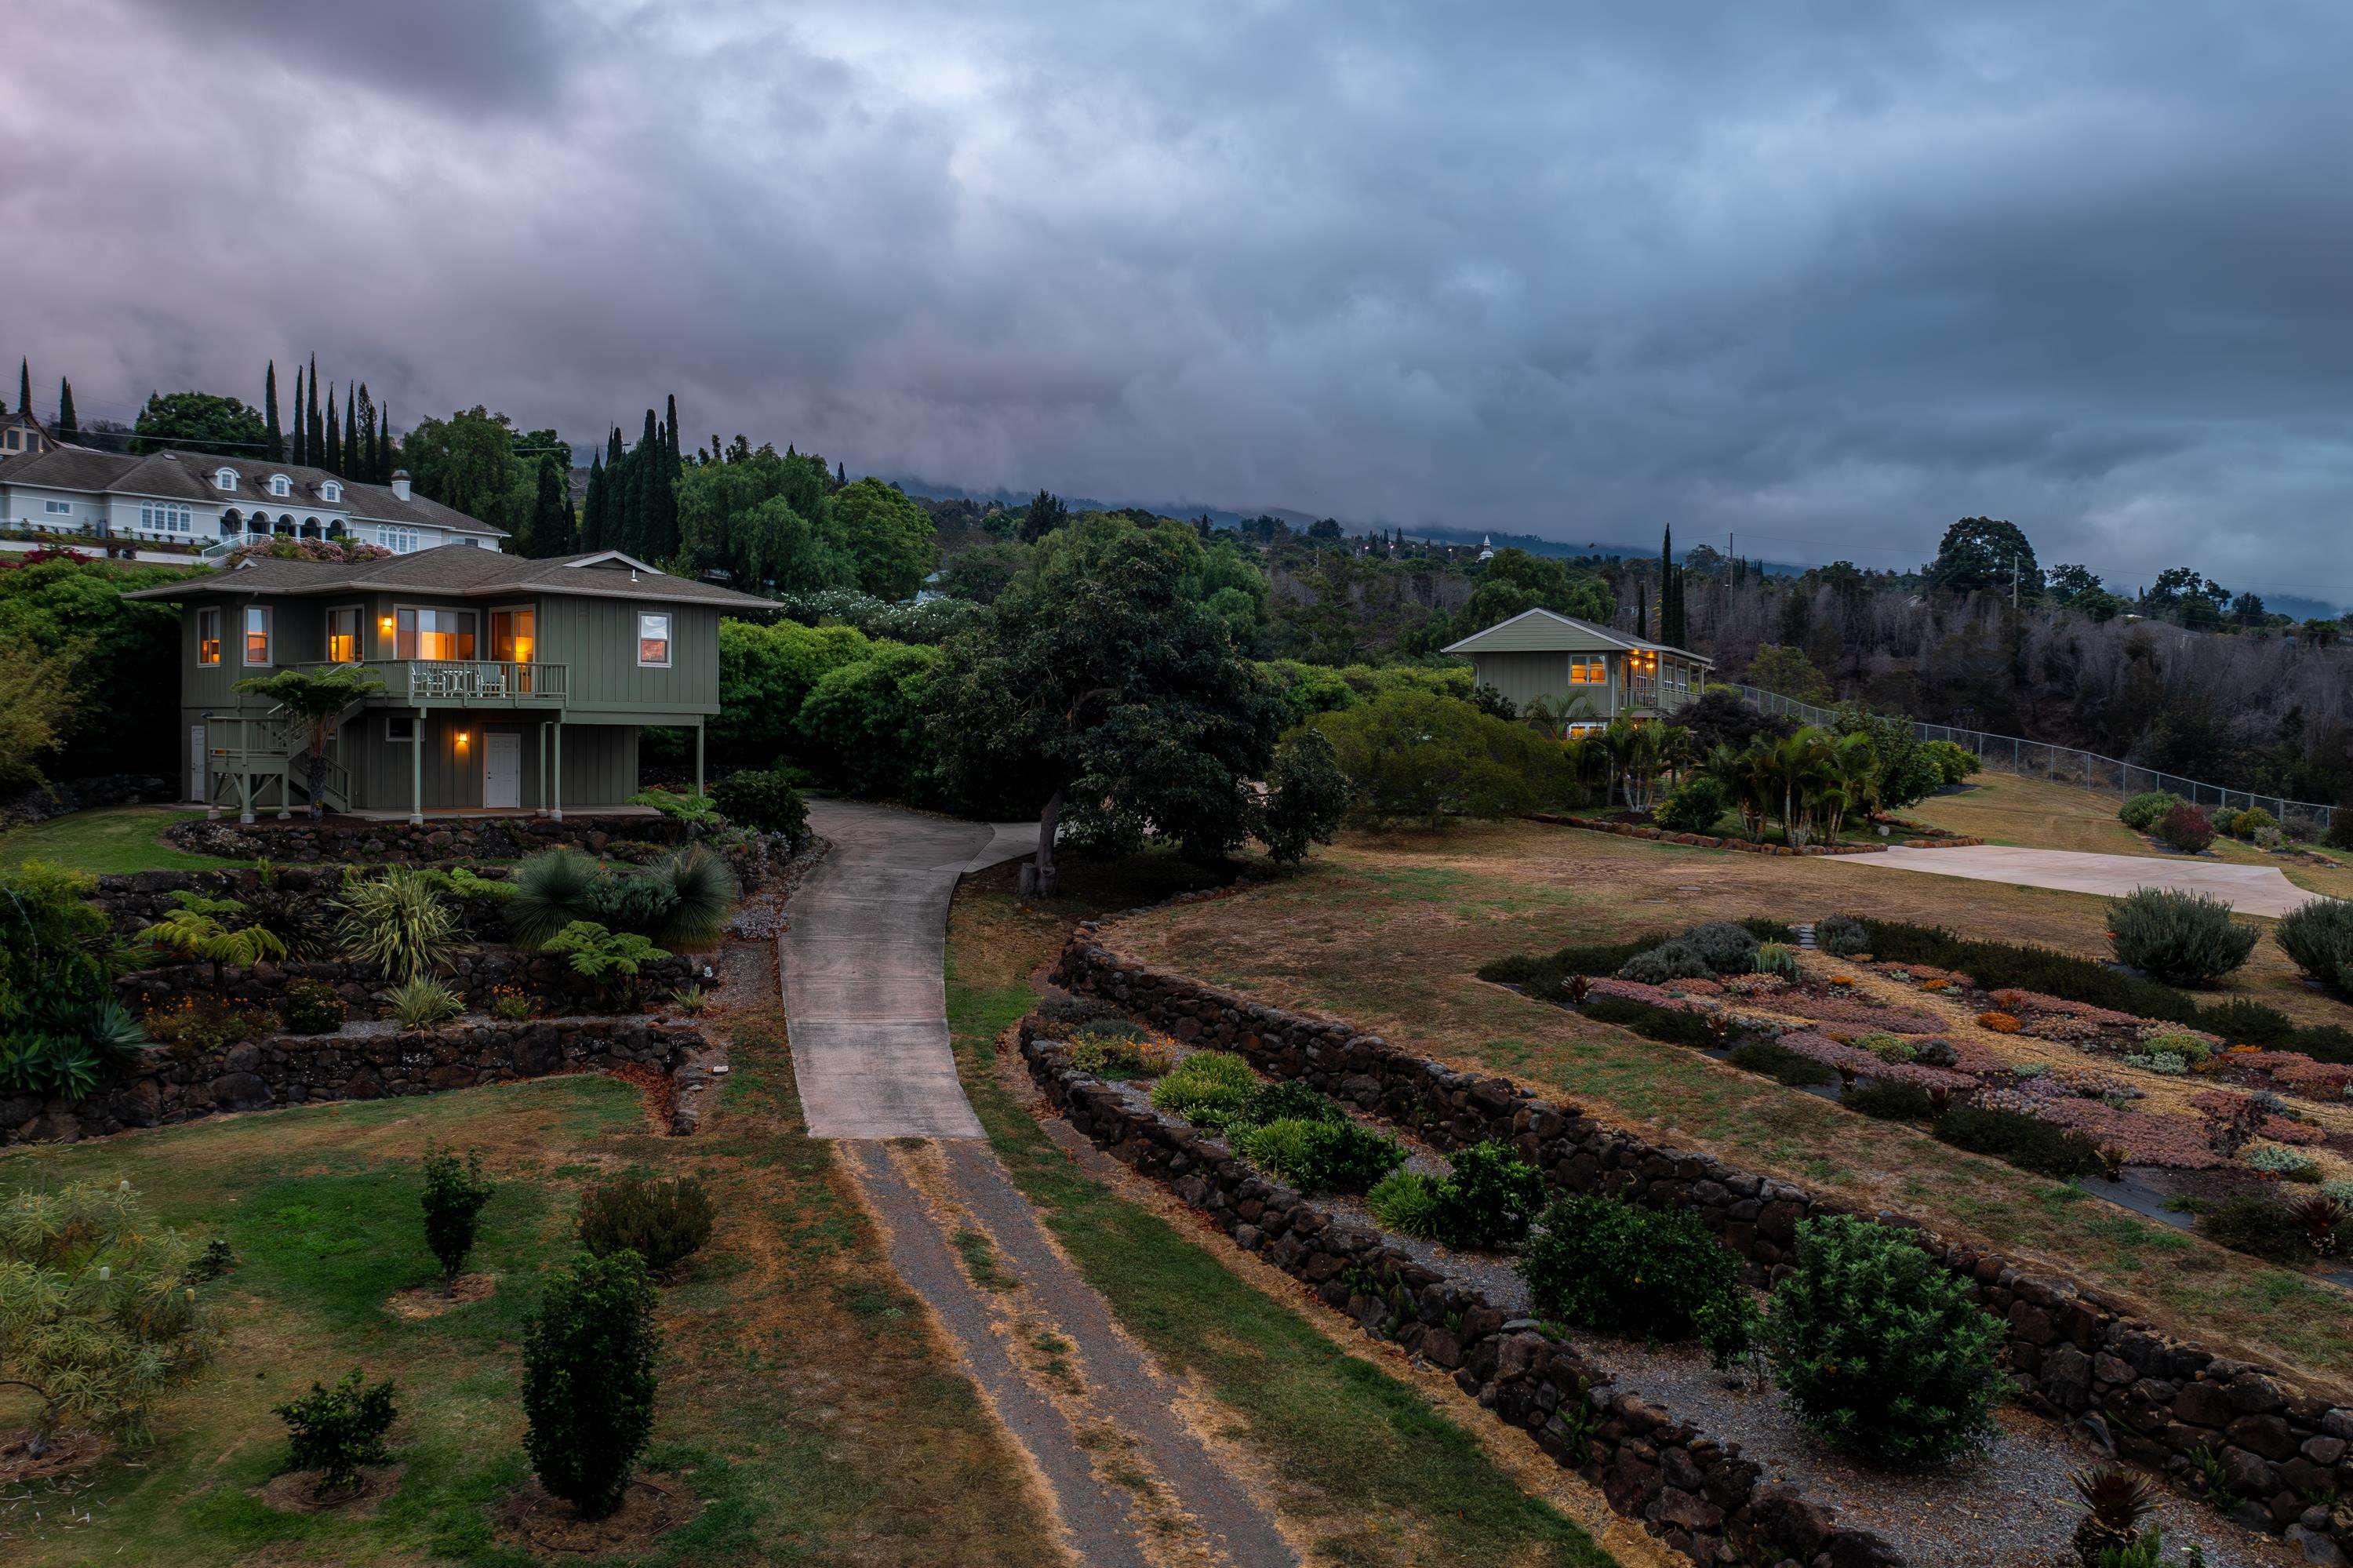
column 263, row 760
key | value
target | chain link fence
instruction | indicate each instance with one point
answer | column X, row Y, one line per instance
column 2065, row 765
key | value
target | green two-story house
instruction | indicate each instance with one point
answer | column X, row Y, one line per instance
column 506, row 683
column 1574, row 676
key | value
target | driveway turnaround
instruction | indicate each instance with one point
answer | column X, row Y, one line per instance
column 862, row 961
column 2250, row 889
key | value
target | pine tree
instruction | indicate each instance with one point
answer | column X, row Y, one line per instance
column 314, row 448
column 334, row 456
column 68, row 427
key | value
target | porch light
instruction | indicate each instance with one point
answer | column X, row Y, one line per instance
column 461, row 740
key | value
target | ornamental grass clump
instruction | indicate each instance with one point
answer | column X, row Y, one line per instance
column 1320, row 1156
column 1406, row 1202
column 1601, row 1264
column 400, row 923
column 422, row 1003
column 588, row 1380
column 337, row 1430
column 2318, row 937
column 1206, row 1086
column 663, row 1222
column 2181, row 939
column 1878, row 1350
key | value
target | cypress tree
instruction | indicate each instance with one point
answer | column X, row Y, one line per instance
column 1643, row 610
column 364, row 443
column 840, row 475
column 299, row 447
column 592, row 510
column 24, row 385
column 383, row 474
column 313, row 446
column 552, row 528
column 351, row 434
column 68, row 429
column 272, row 437
column 334, row 463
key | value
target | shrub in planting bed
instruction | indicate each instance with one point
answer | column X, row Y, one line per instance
column 663, row 1222
column 1842, row 936
column 1890, row 1102
column 337, row 1430
column 1406, row 1202
column 1676, row 1027
column 2185, row 827
column 1605, row 1265
column 2319, row 938
column 2181, row 939
column 312, row 1007
column 1781, row 1064
column 2141, row 812
column 1878, row 1349
column 2027, row 1142
column 1724, row 947
column 1671, row 960
column 1320, row 1156
column 1207, row 1082
column 1488, row 1199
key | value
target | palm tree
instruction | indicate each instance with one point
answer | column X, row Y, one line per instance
column 1634, row 757
column 1746, row 777
column 314, row 702
column 1801, row 766
column 1855, row 765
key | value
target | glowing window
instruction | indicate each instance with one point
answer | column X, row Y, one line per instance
column 343, row 635
column 208, row 637
column 653, row 639
column 1587, row 670
column 257, row 634
column 434, row 634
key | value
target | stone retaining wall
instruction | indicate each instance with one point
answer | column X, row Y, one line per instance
column 473, row 976
column 340, row 838
column 1700, row 1497
column 2073, row 1351
column 132, row 900
column 1710, row 840
column 288, row 1070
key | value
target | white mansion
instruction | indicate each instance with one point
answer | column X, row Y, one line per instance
column 192, row 498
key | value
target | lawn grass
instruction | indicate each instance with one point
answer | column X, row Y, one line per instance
column 1362, row 934
column 1380, row 1477
column 109, row 839
column 802, row 1399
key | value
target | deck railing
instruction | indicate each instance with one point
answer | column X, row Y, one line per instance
column 462, row 680
column 2067, row 764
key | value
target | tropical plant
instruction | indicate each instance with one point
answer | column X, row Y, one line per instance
column 455, row 1192
column 551, row 891
column 99, row 1315
column 337, row 1430
column 610, row 959
column 398, row 923
column 1880, row 1350
column 2115, row 1501
column 1854, row 781
column 422, row 1003
column 1634, row 760
column 703, row 893
column 1694, row 805
column 2179, row 938
column 199, row 935
column 314, row 702
column 663, row 1222
column 678, row 807
column 588, row 1380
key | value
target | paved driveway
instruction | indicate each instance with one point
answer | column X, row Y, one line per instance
column 2250, row 889
column 864, row 990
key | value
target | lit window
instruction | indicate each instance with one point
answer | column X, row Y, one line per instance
column 1587, row 670
column 208, row 636
column 58, row 508
column 653, row 639
column 434, row 634
column 257, row 634
column 343, row 636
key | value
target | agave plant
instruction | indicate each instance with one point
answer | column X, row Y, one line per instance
column 2115, row 1502
column 422, row 1002
column 2321, row 1216
column 1776, row 959
column 400, row 923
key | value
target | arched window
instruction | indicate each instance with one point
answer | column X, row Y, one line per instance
column 280, row 485
column 232, row 523
column 225, row 478
column 310, row 528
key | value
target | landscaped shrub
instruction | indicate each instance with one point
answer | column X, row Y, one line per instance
column 1274, row 1102
column 1601, row 1264
column 2181, row 939
column 1671, row 960
column 1724, row 947
column 1842, row 936
column 1878, row 1350
column 2027, row 1142
column 2279, row 1159
column 334, row 1431
column 1320, row 1156
column 2258, row 1226
column 675, row 805
column 2340, row 831
column 1206, row 1084
column 2141, row 812
column 702, row 894
column 1765, row 929
column 1781, row 1064
column 1694, row 805
column 99, row 1314
column 1067, row 1008
column 2184, row 828
column 422, row 1003
column 2225, row 819
column 1406, row 1202
column 1114, row 1053
column 588, row 1380
column 1955, row 764
column 1543, row 974
column 313, row 1008
column 2319, row 936
column 2252, row 821
column 1890, row 1102
column 455, row 1191
column 400, row 923
column 663, row 1222
column 193, row 1025
column 1489, row 1198
column 610, row 959
column 1671, row 1024
column 764, row 801
column 551, row 891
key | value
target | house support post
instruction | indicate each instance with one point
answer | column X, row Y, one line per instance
column 543, row 768
column 556, row 814
column 698, row 759
column 416, row 772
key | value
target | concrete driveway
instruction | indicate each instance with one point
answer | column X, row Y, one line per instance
column 2250, row 889
column 865, row 993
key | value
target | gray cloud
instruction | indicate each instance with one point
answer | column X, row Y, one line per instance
column 1828, row 278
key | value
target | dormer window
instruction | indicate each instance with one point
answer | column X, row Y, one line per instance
column 225, row 479
column 331, row 491
column 280, row 485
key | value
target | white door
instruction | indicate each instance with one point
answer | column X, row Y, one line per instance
column 502, row 769
column 196, row 762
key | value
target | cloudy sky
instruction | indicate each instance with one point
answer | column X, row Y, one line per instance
column 1829, row 274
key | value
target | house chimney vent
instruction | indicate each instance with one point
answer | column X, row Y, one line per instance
column 400, row 483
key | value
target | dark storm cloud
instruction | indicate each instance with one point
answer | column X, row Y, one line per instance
column 1830, row 275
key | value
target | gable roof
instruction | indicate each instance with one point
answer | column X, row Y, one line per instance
column 1549, row 631
column 461, row 571
column 189, row 476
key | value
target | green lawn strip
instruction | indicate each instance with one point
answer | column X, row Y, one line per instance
column 1405, row 1483
column 109, row 839
column 801, row 1419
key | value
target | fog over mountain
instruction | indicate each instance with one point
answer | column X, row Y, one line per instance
column 1828, row 276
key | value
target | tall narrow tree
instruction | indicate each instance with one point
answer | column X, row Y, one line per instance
column 383, row 474
column 1643, row 610
column 314, row 446
column 273, row 435
column 298, row 447
column 68, row 427
column 24, row 385
column 553, row 531
column 351, row 432
column 333, row 462
column 592, row 508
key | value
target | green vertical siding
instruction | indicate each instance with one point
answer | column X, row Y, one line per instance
column 598, row 640
column 600, row 762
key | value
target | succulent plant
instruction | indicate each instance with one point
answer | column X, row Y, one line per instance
column 2115, row 1500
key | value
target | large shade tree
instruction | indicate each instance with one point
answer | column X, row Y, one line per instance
column 200, row 422
column 1109, row 699
column 1982, row 552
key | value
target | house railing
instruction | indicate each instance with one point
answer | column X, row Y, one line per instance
column 2067, row 764
column 1641, row 692
column 461, row 679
